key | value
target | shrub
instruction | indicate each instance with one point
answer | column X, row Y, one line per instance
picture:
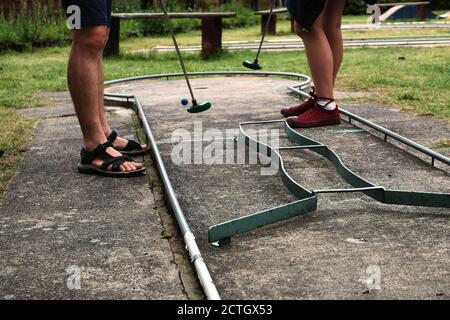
column 159, row 26
column 36, row 26
column 244, row 16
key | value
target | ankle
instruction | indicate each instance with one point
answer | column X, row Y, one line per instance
column 90, row 145
column 107, row 131
column 327, row 104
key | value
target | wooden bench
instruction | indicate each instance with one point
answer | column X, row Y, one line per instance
column 421, row 12
column 273, row 21
column 211, row 28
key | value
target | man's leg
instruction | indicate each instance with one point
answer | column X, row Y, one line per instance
column 120, row 142
column 101, row 90
column 83, row 82
column 83, row 71
column 332, row 26
column 320, row 56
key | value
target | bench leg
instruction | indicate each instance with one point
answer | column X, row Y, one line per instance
column 211, row 36
column 272, row 25
column 422, row 12
column 112, row 46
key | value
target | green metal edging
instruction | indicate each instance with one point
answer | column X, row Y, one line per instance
column 221, row 234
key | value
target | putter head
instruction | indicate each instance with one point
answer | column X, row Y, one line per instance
column 196, row 108
column 252, row 65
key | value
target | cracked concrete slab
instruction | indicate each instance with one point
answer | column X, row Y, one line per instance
column 332, row 253
column 69, row 236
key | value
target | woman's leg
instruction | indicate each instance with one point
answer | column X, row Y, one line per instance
column 324, row 110
column 332, row 18
column 320, row 56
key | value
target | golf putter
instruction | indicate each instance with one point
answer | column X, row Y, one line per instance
column 196, row 107
column 255, row 65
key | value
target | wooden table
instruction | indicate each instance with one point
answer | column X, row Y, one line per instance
column 211, row 28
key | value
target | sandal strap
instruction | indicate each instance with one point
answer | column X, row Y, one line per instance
column 100, row 152
column 108, row 160
column 132, row 146
column 113, row 136
column 115, row 162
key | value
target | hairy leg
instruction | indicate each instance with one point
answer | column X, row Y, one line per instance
column 82, row 75
column 120, row 142
column 101, row 90
column 83, row 80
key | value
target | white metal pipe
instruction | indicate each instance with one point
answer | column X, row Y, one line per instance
column 194, row 252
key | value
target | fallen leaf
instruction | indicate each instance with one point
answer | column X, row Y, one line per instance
column 357, row 240
column 166, row 235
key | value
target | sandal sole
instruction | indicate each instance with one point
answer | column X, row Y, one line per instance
column 90, row 169
column 133, row 153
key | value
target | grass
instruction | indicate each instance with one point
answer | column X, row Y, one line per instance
column 32, row 27
column 419, row 82
column 443, row 144
column 15, row 134
column 25, row 74
column 193, row 37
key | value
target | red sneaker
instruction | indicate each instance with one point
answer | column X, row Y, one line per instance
column 316, row 116
column 298, row 109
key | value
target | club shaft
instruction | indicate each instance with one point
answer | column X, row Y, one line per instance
column 177, row 49
column 266, row 29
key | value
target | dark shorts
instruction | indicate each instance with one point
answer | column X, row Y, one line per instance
column 93, row 12
column 305, row 12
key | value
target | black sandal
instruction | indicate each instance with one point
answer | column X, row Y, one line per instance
column 132, row 148
column 86, row 166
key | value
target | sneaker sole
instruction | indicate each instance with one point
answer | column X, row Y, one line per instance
column 315, row 124
column 292, row 114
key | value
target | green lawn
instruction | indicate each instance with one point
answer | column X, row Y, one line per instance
column 419, row 83
column 15, row 134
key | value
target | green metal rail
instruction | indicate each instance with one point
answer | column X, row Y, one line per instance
column 221, row 234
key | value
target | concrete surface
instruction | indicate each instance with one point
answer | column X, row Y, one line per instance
column 325, row 255
column 56, row 224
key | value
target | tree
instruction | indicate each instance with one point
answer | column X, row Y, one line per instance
column 145, row 4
